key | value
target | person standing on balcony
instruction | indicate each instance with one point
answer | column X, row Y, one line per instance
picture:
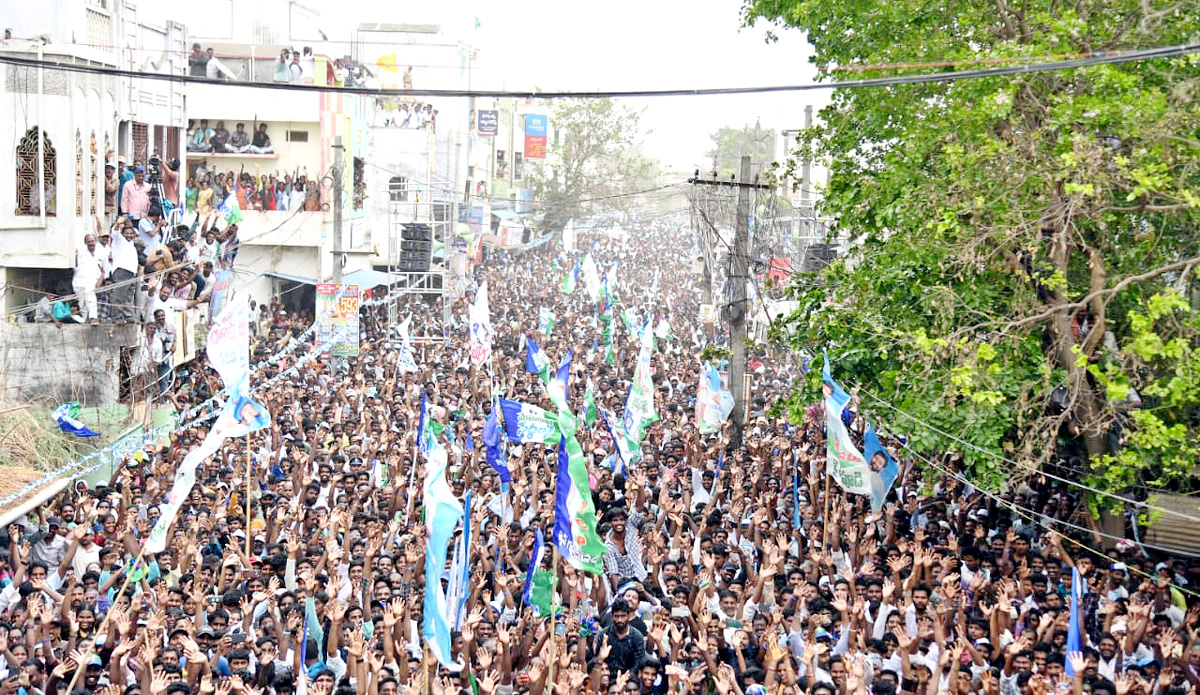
column 197, row 61
column 135, row 196
column 111, row 185
column 89, row 273
column 283, row 73
column 125, row 268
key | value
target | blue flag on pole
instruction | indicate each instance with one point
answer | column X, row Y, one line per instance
column 1074, row 625
column 442, row 512
column 492, row 448
column 535, row 561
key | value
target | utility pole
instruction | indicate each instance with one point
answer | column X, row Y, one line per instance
column 737, row 307
column 806, row 205
column 737, row 310
column 337, row 209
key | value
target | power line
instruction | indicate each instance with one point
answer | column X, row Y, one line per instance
column 1030, row 68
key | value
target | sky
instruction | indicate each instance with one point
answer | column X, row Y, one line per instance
column 623, row 44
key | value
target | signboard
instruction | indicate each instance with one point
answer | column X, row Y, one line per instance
column 489, row 122
column 707, row 313
column 536, row 126
column 337, row 318
column 474, row 219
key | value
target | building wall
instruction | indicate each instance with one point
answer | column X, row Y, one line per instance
column 40, row 361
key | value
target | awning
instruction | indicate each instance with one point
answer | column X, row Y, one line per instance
column 507, row 215
column 292, row 278
column 366, row 278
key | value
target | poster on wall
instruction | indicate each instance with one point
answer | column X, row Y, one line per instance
column 337, row 318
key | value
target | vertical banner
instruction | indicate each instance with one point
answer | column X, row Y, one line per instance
column 337, row 318
column 536, row 127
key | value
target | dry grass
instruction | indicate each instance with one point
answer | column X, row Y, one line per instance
column 29, row 438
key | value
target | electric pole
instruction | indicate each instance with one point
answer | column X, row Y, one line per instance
column 737, row 310
column 337, row 210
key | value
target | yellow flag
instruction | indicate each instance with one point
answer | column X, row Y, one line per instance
column 387, row 62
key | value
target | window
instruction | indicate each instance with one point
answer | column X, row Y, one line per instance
column 518, row 165
column 30, row 191
column 297, row 136
column 398, row 189
column 141, row 144
column 78, row 174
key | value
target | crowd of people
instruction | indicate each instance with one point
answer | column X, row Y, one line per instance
column 297, row 560
column 207, row 189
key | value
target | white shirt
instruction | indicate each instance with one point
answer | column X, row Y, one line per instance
column 88, row 268
column 124, row 254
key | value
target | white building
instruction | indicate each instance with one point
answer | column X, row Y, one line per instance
column 63, row 124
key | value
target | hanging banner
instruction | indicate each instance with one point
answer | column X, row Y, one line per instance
column 337, row 318
column 536, row 127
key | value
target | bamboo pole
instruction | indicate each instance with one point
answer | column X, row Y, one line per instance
column 91, row 644
column 247, row 504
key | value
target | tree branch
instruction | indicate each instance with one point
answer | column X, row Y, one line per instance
column 1188, row 264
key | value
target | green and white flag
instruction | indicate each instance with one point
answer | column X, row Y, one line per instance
column 610, row 284
column 545, row 321
column 571, row 279
column 575, row 533
column 589, row 404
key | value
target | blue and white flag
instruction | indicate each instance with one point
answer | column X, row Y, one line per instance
column 65, row 414
column 405, row 361
column 493, row 447
column 536, row 361
column 883, row 468
column 714, row 402
column 459, row 586
column 524, row 423
column 1074, row 624
column 557, row 388
column 442, row 514
column 843, row 461
column 535, row 561
column 629, row 448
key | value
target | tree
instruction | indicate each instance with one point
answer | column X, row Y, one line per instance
column 729, row 144
column 588, row 159
column 1023, row 245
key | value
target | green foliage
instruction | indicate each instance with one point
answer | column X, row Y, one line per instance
column 729, row 144
column 991, row 219
column 591, row 157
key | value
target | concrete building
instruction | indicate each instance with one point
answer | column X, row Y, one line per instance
column 65, row 124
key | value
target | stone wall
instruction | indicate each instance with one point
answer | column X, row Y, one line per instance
column 44, row 362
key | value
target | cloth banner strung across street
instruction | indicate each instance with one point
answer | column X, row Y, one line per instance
column 228, row 353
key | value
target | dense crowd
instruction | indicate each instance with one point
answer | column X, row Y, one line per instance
column 297, row 560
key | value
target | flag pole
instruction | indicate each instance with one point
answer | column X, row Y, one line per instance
column 247, row 505
column 551, row 668
column 825, row 522
column 426, row 681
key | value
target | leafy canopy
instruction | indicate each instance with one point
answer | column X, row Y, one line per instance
column 1014, row 239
